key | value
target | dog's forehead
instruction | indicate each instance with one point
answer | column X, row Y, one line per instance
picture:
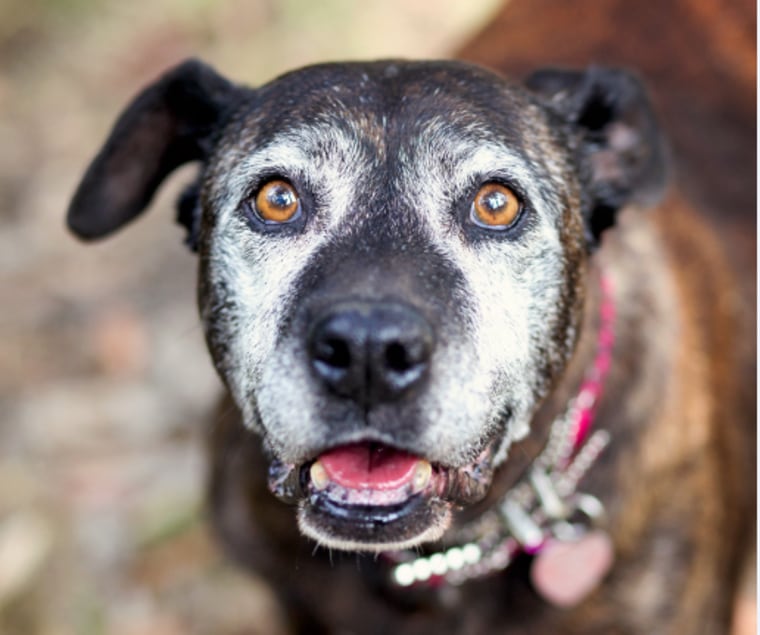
column 395, row 100
column 391, row 121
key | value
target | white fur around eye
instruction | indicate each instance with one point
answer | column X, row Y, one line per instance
column 513, row 287
column 262, row 269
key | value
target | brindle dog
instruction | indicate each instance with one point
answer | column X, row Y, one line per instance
column 414, row 277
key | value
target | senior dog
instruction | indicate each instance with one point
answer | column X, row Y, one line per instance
column 467, row 336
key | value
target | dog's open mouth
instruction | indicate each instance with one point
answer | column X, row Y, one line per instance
column 372, row 497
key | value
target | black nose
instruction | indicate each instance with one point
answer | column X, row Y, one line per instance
column 372, row 352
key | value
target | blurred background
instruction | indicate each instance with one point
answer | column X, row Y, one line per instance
column 105, row 384
column 104, row 378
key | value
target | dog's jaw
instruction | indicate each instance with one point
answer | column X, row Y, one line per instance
column 402, row 501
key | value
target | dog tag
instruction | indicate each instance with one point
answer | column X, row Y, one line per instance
column 565, row 572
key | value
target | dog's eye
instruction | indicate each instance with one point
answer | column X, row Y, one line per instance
column 277, row 202
column 495, row 206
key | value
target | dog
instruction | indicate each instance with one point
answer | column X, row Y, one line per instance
column 484, row 367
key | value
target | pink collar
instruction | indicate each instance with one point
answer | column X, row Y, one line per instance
column 544, row 514
column 591, row 388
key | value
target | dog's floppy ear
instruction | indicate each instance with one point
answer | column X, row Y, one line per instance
column 620, row 149
column 169, row 123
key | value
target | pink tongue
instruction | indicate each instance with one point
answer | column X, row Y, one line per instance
column 369, row 466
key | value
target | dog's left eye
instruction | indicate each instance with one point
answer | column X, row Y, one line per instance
column 277, row 202
column 495, row 206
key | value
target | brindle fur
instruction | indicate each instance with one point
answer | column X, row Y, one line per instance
column 670, row 480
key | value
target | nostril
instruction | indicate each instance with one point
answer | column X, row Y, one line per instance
column 333, row 352
column 396, row 358
column 336, row 350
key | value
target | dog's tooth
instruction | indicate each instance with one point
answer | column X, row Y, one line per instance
column 319, row 478
column 422, row 473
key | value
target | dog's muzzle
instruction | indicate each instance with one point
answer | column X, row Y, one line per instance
column 364, row 494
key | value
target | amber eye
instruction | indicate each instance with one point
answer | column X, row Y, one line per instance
column 277, row 202
column 495, row 206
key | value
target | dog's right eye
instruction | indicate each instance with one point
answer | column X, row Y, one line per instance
column 495, row 207
column 277, row 202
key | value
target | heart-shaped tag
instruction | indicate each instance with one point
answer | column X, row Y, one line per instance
column 565, row 572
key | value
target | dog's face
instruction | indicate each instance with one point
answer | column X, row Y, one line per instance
column 420, row 296
column 392, row 263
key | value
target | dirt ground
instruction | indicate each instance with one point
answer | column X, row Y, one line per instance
column 104, row 378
